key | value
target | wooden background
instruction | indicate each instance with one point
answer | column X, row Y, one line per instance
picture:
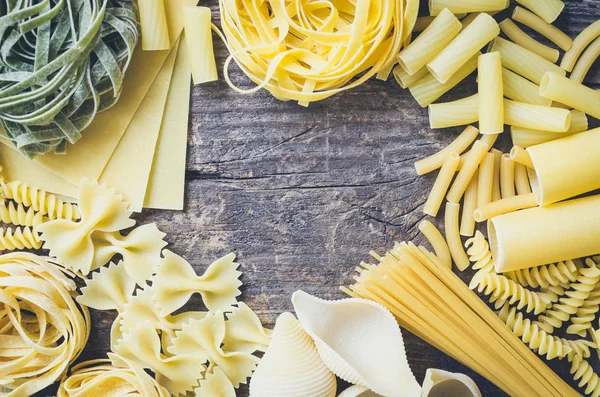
column 302, row 195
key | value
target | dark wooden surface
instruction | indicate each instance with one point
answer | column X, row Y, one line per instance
column 302, row 195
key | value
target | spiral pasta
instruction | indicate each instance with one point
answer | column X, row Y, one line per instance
column 553, row 292
column 18, row 215
column 502, row 290
column 545, row 276
column 19, row 238
column 47, row 204
column 479, row 252
column 582, row 321
column 574, row 298
column 583, row 372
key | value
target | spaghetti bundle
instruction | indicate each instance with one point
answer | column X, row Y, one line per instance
column 308, row 51
column 434, row 304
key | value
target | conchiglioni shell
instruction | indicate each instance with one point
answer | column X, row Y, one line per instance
column 438, row 383
column 291, row 366
column 360, row 341
column 357, row 391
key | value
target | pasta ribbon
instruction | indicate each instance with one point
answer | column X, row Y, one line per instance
column 38, row 200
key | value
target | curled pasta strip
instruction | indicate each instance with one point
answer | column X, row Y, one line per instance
column 19, row 238
column 537, row 339
column 503, row 290
column 582, row 320
column 478, row 250
column 18, row 215
column 583, row 372
column 573, row 299
column 545, row 276
column 48, row 204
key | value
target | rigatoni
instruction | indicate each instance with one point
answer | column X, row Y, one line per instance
column 585, row 62
column 491, row 97
column 429, row 43
column 451, row 227
column 468, row 42
column 522, row 179
column 496, row 194
column 467, row 222
column 548, row 10
column 507, row 176
column 571, row 93
column 526, row 137
column 438, row 243
column 198, row 33
column 520, row 89
column 485, row 180
column 153, row 20
column 472, row 161
column 513, row 32
column 468, row 6
column 544, row 28
column 520, row 155
column 505, row 206
column 405, row 80
column 580, row 43
column 460, row 112
column 522, row 61
column 440, row 187
column 458, row 145
column 536, row 117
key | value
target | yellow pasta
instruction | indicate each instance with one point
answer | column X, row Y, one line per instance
column 585, row 62
column 525, row 137
column 438, row 243
column 505, row 205
column 544, row 28
column 466, row 21
column 535, row 117
column 449, row 114
column 555, row 274
column 485, row 180
column 522, row 61
column 522, row 180
column 564, row 90
column 19, row 238
column 467, row 222
column 548, row 10
column 507, row 176
column 521, row 156
column 18, row 215
column 496, row 192
column 422, row 22
column 440, row 187
column 520, row 89
column 155, row 31
column 468, row 42
column 472, row 161
column 491, row 97
column 47, row 204
column 429, row 89
column 459, row 145
column 453, row 236
column 198, row 36
column 466, row 6
column 513, row 32
column 580, row 43
column 405, row 80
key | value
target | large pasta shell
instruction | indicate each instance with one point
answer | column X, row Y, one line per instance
column 291, row 366
column 438, row 383
column 360, row 341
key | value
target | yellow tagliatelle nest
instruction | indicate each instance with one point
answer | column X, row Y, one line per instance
column 42, row 329
column 308, row 51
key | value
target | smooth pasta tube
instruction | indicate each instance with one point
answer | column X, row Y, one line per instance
column 472, row 161
column 466, row 6
column 438, row 243
column 571, row 93
column 405, row 80
column 521, row 156
column 522, row 61
column 504, row 206
column 544, row 28
column 467, row 222
column 548, row 10
column 559, row 180
column 542, row 235
column 453, row 236
column 440, row 187
column 522, row 179
column 153, row 20
column 496, row 192
column 198, row 36
column 429, row 43
column 491, row 96
column 429, row 89
column 435, row 161
column 513, row 32
column 462, row 48
column 525, row 137
column 485, row 180
column 580, row 43
column 585, row 62
column 536, row 117
column 507, row 176
column 449, row 114
column 520, row 89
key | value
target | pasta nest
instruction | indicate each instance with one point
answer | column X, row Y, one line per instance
column 42, row 328
column 307, row 51
column 61, row 63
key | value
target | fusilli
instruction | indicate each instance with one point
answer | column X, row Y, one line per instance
column 584, row 373
column 18, row 215
column 545, row 276
column 479, row 252
column 39, row 200
column 582, row 321
column 19, row 238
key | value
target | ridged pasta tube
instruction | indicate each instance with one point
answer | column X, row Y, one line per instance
column 17, row 215
column 544, row 276
column 479, row 253
column 19, row 238
column 39, row 200
column 574, row 298
column 537, row 339
column 501, row 290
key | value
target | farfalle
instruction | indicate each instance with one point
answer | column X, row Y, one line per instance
column 215, row 384
column 140, row 250
column 102, row 210
column 204, row 338
column 244, row 331
column 178, row 374
column 109, row 289
column 176, row 281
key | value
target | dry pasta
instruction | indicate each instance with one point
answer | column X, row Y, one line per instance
column 581, row 42
column 449, row 114
column 466, row 6
column 153, row 19
column 479, row 253
column 404, row 79
column 496, row 192
column 525, row 137
column 459, row 145
column 564, row 90
column 485, row 180
column 505, row 205
column 585, row 62
column 18, row 215
column 491, row 96
column 422, row 22
column 47, row 204
column 546, row 29
column 518, row 36
column 525, row 115
column 522, row 180
column 437, row 241
column 453, row 236
column 507, row 176
column 520, row 89
column 545, row 276
column 466, row 21
column 19, row 238
column 472, row 161
column 521, row 156
column 548, row 10
column 440, row 187
column 198, row 37
column 467, row 222
column 581, row 321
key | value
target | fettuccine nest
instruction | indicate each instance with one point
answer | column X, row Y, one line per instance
column 61, row 62
column 308, row 51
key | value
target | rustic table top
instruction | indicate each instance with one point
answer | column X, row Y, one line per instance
column 302, row 195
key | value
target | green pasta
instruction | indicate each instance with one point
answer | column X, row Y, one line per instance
column 61, row 62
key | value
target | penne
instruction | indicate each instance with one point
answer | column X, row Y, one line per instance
column 429, row 89
column 548, row 10
column 580, row 43
column 520, row 155
column 453, row 236
column 485, row 180
column 472, row 161
column 449, row 114
column 585, row 62
column 405, row 80
column 520, row 89
column 544, row 28
column 513, row 32
column 438, row 243
column 440, row 187
column 505, row 206
column 435, row 161
column 462, row 48
column 525, row 137
column 467, row 222
column 522, row 61
column 491, row 97
column 571, row 93
column 496, row 194
column 536, row 117
column 522, row 183
column 429, row 43
column 466, row 6
column 153, row 20
column 198, row 33
column 507, row 176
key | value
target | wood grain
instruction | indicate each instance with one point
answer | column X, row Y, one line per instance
column 302, row 195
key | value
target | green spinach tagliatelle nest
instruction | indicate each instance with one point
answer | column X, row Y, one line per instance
column 61, row 62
